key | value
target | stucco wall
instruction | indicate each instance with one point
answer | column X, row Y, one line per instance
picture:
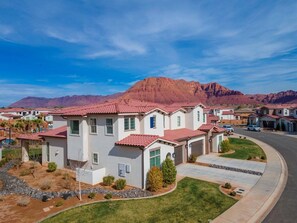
column 57, row 149
column 121, row 127
column 58, row 121
column 159, row 129
column 173, row 120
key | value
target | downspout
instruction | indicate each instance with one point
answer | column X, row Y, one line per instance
column 142, row 169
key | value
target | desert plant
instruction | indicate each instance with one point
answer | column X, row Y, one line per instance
column 3, row 162
column 91, row 195
column 192, row 158
column 225, row 146
column 66, row 176
column 52, row 166
column 108, row 180
column 45, row 185
column 169, row 171
column 120, row 184
column 23, row 201
column 66, row 184
column 108, row 196
column 59, row 203
column 232, row 193
column 155, row 179
column 25, row 172
column 227, row 186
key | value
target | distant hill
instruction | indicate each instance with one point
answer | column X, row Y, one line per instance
column 75, row 100
column 165, row 90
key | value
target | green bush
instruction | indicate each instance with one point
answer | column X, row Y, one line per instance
column 225, row 146
column 59, row 203
column 169, row 171
column 91, row 195
column 25, row 172
column 155, row 179
column 3, row 162
column 45, row 185
column 52, row 166
column 192, row 158
column 108, row 180
column 108, row 196
column 227, row 186
column 120, row 184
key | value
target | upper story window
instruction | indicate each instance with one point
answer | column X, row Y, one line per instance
column 109, row 126
column 153, row 122
column 286, row 111
column 93, row 125
column 129, row 123
column 204, row 117
column 279, row 111
column 198, row 116
column 74, row 127
column 178, row 121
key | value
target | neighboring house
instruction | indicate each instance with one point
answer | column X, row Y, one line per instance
column 280, row 117
column 222, row 112
column 126, row 138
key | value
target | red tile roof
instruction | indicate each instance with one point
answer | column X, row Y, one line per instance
column 289, row 118
column 60, row 132
column 10, row 115
column 208, row 127
column 32, row 136
column 272, row 116
column 181, row 134
column 227, row 113
column 141, row 140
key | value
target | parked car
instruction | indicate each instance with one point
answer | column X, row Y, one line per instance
column 229, row 128
column 254, row 128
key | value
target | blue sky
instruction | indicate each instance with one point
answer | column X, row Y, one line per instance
column 56, row 48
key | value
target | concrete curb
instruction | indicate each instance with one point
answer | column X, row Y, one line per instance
column 260, row 200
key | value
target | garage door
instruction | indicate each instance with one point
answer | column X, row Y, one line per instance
column 178, row 155
column 197, row 148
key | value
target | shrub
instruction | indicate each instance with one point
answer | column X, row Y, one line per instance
column 168, row 171
column 3, row 162
column 227, row 186
column 23, row 201
column 249, row 157
column 66, row 184
column 108, row 180
column 233, row 193
column 120, row 184
column 91, row 195
column 25, row 172
column 45, row 184
column 108, row 196
column 59, row 203
column 66, row 176
column 192, row 158
column 155, row 179
column 225, row 146
column 52, row 166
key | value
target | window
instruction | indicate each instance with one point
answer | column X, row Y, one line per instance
column 93, row 125
column 204, row 117
column 109, row 126
column 47, row 152
column 198, row 116
column 74, row 127
column 155, row 159
column 178, row 121
column 153, row 122
column 286, row 111
column 129, row 123
column 296, row 112
column 95, row 158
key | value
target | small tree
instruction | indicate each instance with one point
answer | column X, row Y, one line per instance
column 169, row 171
column 155, row 179
column 225, row 146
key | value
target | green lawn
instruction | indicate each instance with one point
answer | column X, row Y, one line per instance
column 192, row 201
column 244, row 149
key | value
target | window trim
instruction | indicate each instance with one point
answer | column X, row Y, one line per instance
column 93, row 162
column 71, row 133
column 106, row 126
column 90, row 126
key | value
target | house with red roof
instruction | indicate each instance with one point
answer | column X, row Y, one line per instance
column 125, row 138
column 223, row 113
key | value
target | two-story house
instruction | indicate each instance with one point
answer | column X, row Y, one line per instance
column 126, row 138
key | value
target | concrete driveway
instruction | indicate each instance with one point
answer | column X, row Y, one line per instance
column 220, row 176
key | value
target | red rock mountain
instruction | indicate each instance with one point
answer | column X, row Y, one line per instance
column 166, row 91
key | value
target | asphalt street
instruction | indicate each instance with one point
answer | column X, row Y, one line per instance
column 286, row 208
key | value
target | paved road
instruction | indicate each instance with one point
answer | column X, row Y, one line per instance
column 286, row 208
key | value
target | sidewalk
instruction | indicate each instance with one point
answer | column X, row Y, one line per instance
column 260, row 200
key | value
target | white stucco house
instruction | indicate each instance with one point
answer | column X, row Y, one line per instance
column 126, row 138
